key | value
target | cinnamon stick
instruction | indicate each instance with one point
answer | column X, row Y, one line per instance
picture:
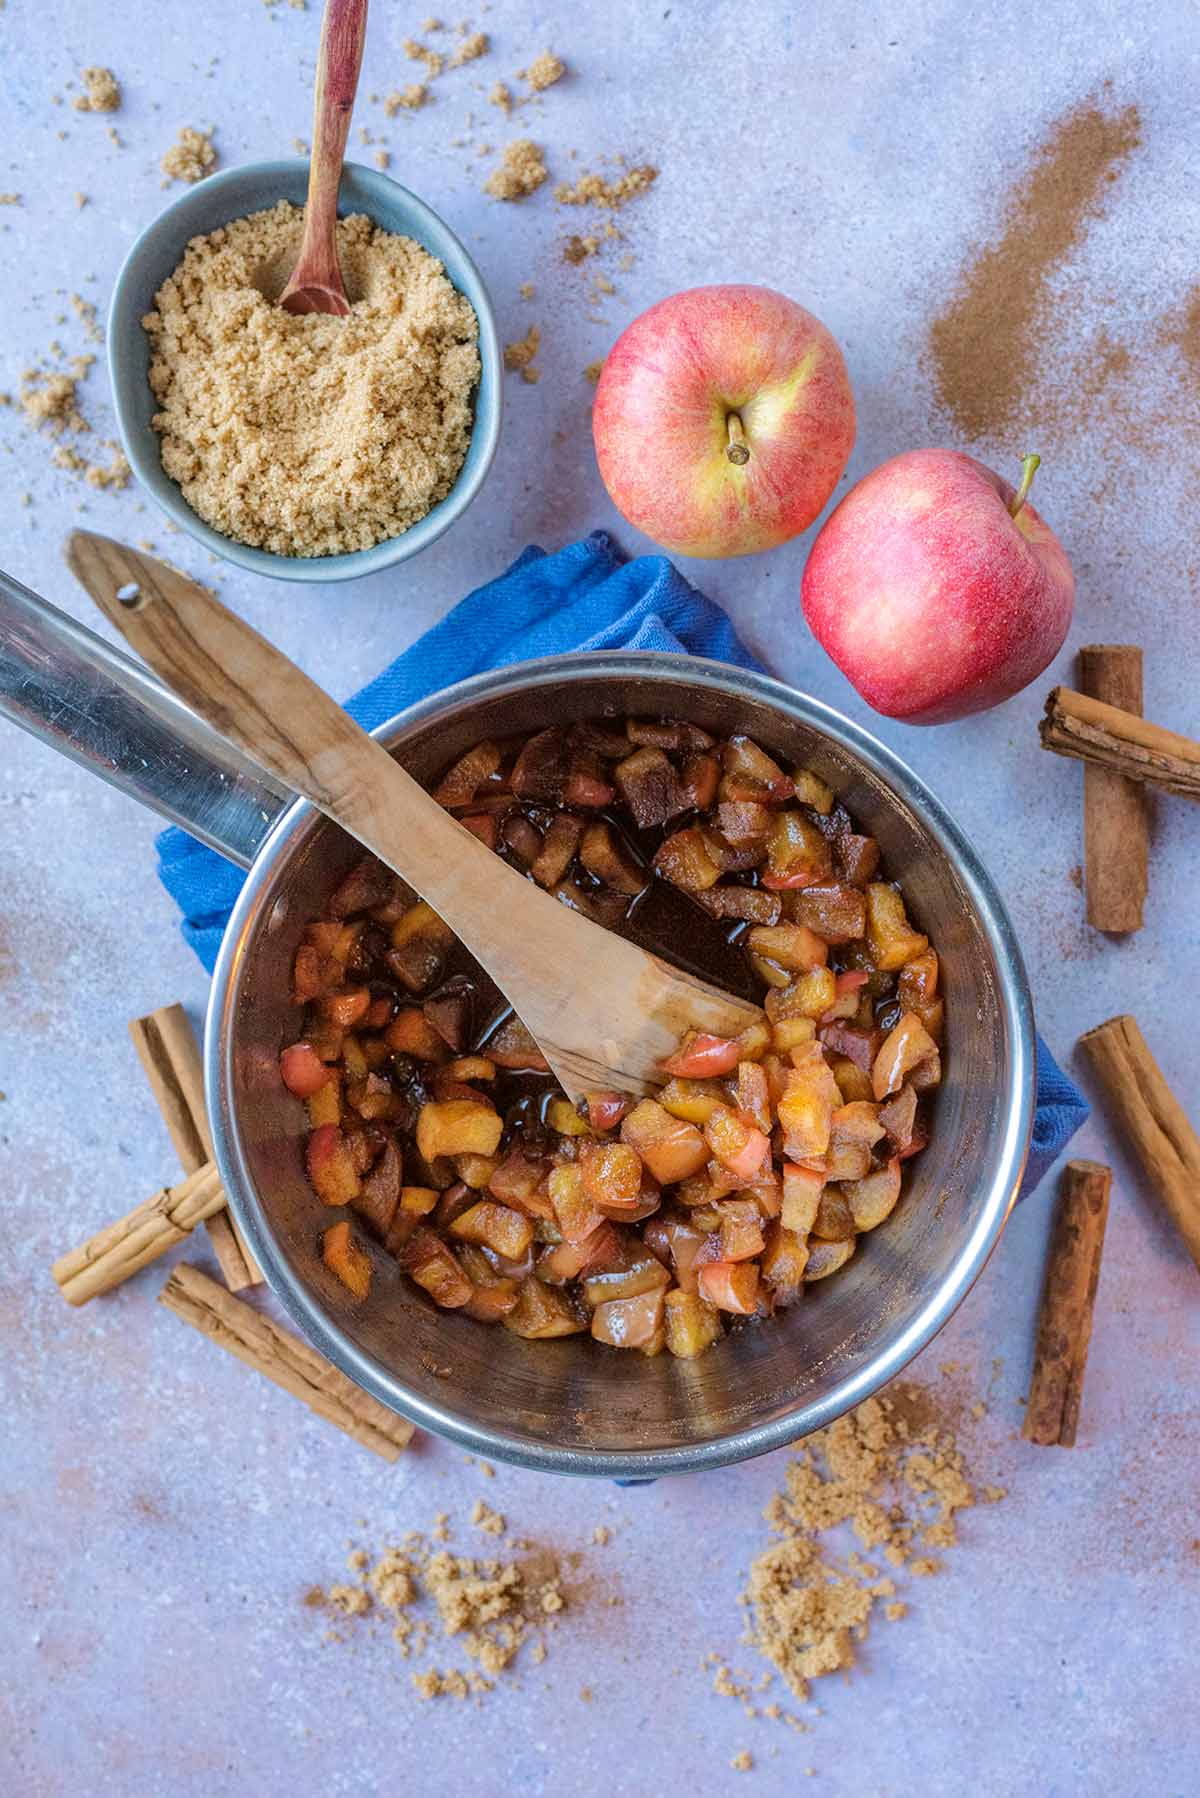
column 284, row 1359
column 147, row 1232
column 1152, row 1118
column 1068, row 1299
column 168, row 1051
column 1116, row 830
column 1091, row 731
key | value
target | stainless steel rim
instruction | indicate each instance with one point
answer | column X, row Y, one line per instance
column 1015, row 1002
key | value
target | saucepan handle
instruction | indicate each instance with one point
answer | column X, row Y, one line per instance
column 69, row 687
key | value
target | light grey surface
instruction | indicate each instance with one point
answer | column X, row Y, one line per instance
column 163, row 1509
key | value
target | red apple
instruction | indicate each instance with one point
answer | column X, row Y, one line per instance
column 936, row 588
column 723, row 420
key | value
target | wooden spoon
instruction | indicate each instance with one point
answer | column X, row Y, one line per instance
column 316, row 284
column 604, row 1012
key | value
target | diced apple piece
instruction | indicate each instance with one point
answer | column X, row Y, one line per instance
column 751, row 1096
column 692, row 1324
column 898, row 1117
column 745, row 823
column 825, row 1258
column 669, row 1146
column 374, row 1098
column 754, row 1041
column 379, row 1198
column 475, row 1171
column 853, row 1041
column 605, row 1110
column 834, row 1220
column 770, row 972
column 458, row 1127
column 854, row 1082
column 629, row 1270
column 459, row 786
column 561, row 1262
column 741, row 1229
column 730, row 1285
column 667, row 733
column 411, row 1033
column 699, row 780
column 692, row 1100
column 858, row 857
column 739, row 1147
column 367, row 884
column 542, row 1312
column 558, row 849
column 609, row 861
column 346, row 1007
column 346, row 1259
column 797, row 853
column 908, row 1052
column 802, row 1189
column 496, row 1227
column 482, row 825
column 750, row 774
column 330, row 1168
column 612, row 1173
column 325, row 1105
column 649, row 787
column 432, row 1265
column 541, row 768
column 791, row 946
column 783, row 1262
column 836, row 911
column 302, row 1070
column 809, row 1100
column 754, row 904
column 516, row 1182
column 791, row 1033
column 812, row 791
column 687, row 861
column 890, row 937
column 313, row 974
column 629, row 1323
column 575, row 1211
column 856, row 1130
column 873, row 1199
column 522, row 837
column 562, row 1116
column 511, row 1046
column 816, row 991
column 701, row 1056
column 492, row 1300
column 846, row 1001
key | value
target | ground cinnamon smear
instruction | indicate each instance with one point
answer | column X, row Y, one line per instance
column 519, row 356
column 598, row 190
column 310, row 435
column 890, row 1472
column 490, row 1608
column 1184, row 331
column 190, row 157
column 986, row 346
column 521, row 172
column 102, row 92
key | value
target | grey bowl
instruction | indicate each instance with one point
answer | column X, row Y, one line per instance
column 156, row 253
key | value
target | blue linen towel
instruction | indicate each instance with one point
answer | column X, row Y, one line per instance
column 586, row 596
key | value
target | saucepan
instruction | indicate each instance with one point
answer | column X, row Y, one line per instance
column 567, row 1406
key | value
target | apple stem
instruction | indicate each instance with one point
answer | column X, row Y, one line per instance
column 1029, row 467
column 737, row 449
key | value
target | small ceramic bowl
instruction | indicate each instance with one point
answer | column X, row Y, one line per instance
column 157, row 252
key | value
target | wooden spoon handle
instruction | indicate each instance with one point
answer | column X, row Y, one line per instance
column 339, row 60
column 604, row 1011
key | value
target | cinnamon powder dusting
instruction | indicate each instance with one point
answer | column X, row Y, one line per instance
column 984, row 347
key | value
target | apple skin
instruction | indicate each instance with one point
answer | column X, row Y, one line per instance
column 660, row 420
column 931, row 598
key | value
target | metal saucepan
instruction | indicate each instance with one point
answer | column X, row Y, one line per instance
column 569, row 1406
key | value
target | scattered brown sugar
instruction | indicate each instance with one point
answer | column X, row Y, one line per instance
column 519, row 356
column 369, row 417
column 888, row 1472
column 101, row 93
column 521, row 172
column 1183, row 331
column 543, row 71
column 577, row 249
column 986, row 346
column 484, row 1518
column 50, row 398
column 594, row 370
column 598, row 190
column 113, row 475
column 190, row 157
column 470, row 49
column 433, row 60
column 382, row 159
column 406, row 99
column 501, row 96
column 10, row 199
column 743, row 1762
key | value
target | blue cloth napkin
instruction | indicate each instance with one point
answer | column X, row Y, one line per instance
column 585, row 596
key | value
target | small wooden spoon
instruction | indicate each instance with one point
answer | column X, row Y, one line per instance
column 604, row 1012
column 316, row 284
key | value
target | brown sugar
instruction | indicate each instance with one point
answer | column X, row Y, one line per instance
column 406, row 99
column 501, row 96
column 884, row 1477
column 519, row 356
column 470, row 49
column 521, row 172
column 190, row 157
column 984, row 347
column 594, row 370
column 101, row 91
column 433, row 60
column 598, row 190
column 577, row 249
column 543, row 71
column 369, row 416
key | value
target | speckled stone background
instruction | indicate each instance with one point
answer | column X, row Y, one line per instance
column 163, row 1509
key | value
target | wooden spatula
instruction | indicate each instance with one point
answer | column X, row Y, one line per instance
column 603, row 1011
column 316, row 283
